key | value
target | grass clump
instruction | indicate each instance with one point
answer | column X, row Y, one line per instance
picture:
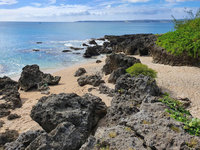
column 177, row 112
column 112, row 134
column 185, row 39
column 139, row 68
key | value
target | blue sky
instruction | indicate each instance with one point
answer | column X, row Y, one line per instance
column 75, row 10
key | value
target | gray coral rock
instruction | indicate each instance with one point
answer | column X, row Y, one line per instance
column 115, row 61
column 31, row 77
column 80, row 72
column 94, row 80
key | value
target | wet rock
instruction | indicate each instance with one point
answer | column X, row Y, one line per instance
column 115, row 61
column 161, row 56
column 106, row 90
column 31, row 77
column 83, row 112
column 98, row 61
column 36, row 50
column 23, row 141
column 76, row 53
column 13, row 116
column 66, row 51
column 8, row 136
column 80, row 72
column 1, row 123
column 94, row 80
column 76, row 48
column 93, row 42
column 84, row 44
column 116, row 74
column 92, row 51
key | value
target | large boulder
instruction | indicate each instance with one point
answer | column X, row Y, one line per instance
column 65, row 136
column 137, row 86
column 68, row 119
column 23, row 140
column 161, row 56
column 31, row 77
column 9, row 96
column 92, row 51
column 83, row 112
column 115, row 61
column 94, row 80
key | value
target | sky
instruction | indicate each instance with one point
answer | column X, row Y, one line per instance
column 81, row 10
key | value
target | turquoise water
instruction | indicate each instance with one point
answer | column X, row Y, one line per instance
column 17, row 39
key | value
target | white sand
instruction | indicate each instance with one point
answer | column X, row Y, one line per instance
column 178, row 81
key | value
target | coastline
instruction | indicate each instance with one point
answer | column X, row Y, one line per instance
column 68, row 84
column 169, row 80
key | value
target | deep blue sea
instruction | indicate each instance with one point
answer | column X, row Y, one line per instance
column 18, row 39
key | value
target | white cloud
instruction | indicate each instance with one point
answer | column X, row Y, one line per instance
column 36, row 4
column 137, row 1
column 84, row 12
column 8, row 2
column 173, row 1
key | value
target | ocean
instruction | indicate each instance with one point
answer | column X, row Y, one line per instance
column 18, row 39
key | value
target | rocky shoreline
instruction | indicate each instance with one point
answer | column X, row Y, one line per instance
column 136, row 118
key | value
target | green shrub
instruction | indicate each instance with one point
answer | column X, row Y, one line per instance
column 185, row 39
column 139, row 68
column 177, row 112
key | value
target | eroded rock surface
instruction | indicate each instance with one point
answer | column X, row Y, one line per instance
column 80, row 72
column 23, row 140
column 135, row 44
column 115, row 61
column 32, row 77
column 94, row 80
column 138, row 120
column 83, row 111
column 9, row 96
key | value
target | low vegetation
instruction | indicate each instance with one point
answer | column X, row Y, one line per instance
column 177, row 112
column 139, row 68
column 185, row 39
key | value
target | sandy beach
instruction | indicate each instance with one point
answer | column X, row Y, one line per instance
column 178, row 81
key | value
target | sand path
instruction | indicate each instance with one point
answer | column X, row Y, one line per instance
column 178, row 81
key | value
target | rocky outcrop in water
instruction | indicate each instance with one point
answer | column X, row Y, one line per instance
column 92, row 51
column 32, row 77
column 115, row 61
column 94, row 80
column 134, row 44
column 9, row 96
